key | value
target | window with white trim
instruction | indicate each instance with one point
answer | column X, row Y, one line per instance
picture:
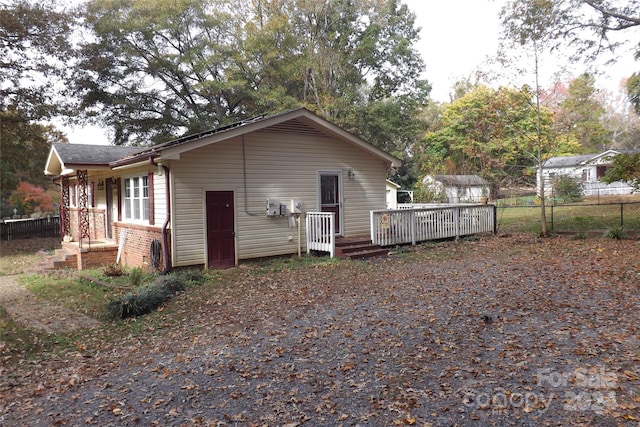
column 74, row 192
column 136, row 198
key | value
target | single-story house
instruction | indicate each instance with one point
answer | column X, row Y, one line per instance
column 219, row 196
column 392, row 195
column 458, row 188
column 586, row 169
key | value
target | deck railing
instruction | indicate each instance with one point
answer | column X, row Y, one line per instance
column 396, row 227
column 321, row 234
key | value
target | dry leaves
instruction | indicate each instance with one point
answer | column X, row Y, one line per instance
column 501, row 331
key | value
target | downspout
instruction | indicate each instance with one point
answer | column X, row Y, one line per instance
column 165, row 238
column 166, row 267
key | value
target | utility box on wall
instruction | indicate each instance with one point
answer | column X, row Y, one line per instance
column 273, row 207
column 296, row 206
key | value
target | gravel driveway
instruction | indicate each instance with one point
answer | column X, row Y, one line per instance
column 504, row 331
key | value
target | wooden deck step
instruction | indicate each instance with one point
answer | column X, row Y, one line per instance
column 358, row 248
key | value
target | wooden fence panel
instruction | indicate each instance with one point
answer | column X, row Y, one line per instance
column 30, row 228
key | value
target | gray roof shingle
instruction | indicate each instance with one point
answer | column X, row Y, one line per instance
column 87, row 154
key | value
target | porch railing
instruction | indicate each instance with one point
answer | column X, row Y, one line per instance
column 396, row 227
column 321, row 234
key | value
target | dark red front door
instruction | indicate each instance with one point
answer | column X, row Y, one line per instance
column 330, row 196
column 220, row 235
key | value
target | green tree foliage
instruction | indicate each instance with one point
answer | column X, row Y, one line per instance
column 567, row 189
column 34, row 51
column 153, row 71
column 24, row 147
column 488, row 132
column 34, row 54
column 626, row 167
column 580, row 115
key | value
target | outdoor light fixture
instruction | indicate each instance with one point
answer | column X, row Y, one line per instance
column 351, row 174
column 101, row 185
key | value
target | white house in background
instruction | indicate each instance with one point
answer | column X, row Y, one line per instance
column 586, row 169
column 458, row 188
column 392, row 195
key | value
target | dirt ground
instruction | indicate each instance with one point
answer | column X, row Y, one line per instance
column 34, row 313
column 503, row 331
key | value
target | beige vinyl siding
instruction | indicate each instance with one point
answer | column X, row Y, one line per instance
column 278, row 165
column 160, row 199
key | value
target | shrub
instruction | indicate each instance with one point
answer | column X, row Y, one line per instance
column 113, row 270
column 423, row 193
column 614, row 233
column 136, row 277
column 145, row 299
column 567, row 189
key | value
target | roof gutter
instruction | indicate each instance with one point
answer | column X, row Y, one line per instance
column 135, row 159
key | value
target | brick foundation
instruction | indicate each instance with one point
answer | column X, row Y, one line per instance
column 137, row 248
column 97, row 223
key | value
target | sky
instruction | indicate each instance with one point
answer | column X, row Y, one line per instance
column 457, row 38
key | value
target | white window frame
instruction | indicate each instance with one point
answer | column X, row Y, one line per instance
column 74, row 193
column 135, row 204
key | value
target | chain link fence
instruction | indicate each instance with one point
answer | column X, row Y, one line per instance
column 586, row 218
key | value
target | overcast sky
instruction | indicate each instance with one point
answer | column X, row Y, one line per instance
column 457, row 36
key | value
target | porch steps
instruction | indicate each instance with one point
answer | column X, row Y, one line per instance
column 358, row 248
column 61, row 259
column 64, row 258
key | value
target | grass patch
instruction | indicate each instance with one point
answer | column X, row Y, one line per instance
column 77, row 294
column 286, row 263
column 19, row 343
column 572, row 218
column 18, row 255
column 519, row 219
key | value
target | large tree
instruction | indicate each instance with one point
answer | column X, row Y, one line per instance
column 580, row 115
column 491, row 133
column 24, row 146
column 530, row 26
column 34, row 51
column 157, row 70
column 591, row 28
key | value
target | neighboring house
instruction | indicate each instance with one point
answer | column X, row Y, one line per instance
column 392, row 195
column 586, row 169
column 220, row 196
column 458, row 188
